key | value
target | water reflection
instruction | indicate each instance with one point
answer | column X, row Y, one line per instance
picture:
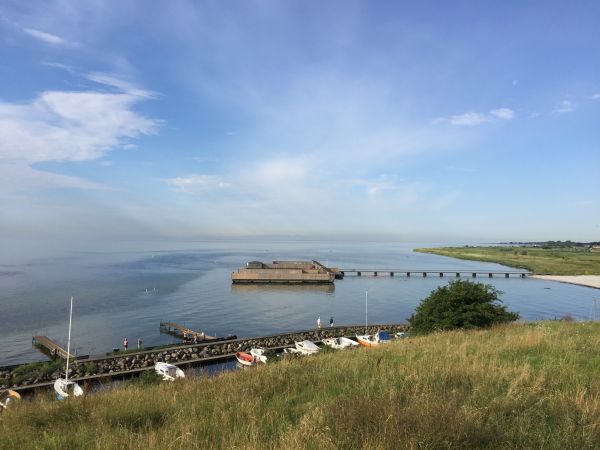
column 282, row 288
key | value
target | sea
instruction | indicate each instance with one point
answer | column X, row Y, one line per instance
column 126, row 292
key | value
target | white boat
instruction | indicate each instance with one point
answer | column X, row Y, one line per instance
column 260, row 354
column 307, row 347
column 340, row 343
column 63, row 387
column 167, row 371
column 292, row 351
column 7, row 397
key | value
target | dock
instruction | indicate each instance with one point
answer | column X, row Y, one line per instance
column 49, row 345
column 440, row 272
column 182, row 332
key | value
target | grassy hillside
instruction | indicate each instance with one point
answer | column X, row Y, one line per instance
column 562, row 261
column 516, row 386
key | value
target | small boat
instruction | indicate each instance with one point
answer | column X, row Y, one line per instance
column 340, row 343
column 7, row 397
column 168, row 371
column 292, row 351
column 307, row 347
column 401, row 335
column 248, row 359
column 260, row 353
column 63, row 387
column 373, row 340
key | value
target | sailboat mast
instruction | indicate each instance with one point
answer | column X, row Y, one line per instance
column 69, row 340
column 366, row 309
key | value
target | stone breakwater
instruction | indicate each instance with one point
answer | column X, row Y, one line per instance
column 40, row 373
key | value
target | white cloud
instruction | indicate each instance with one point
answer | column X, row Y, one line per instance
column 503, row 113
column 49, row 38
column 564, row 107
column 469, row 119
column 68, row 126
column 196, row 183
column 595, row 97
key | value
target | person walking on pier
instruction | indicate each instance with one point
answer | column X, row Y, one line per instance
column 139, row 343
column 125, row 344
column 319, row 322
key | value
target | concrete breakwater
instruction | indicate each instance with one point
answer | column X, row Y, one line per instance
column 31, row 376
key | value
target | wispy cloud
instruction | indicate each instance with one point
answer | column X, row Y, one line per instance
column 595, row 96
column 503, row 113
column 49, row 38
column 565, row 106
column 196, row 183
column 471, row 119
column 67, row 126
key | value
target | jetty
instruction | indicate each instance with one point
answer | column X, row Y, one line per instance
column 438, row 272
column 50, row 346
column 183, row 332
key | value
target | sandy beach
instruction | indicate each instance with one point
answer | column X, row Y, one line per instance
column 592, row 281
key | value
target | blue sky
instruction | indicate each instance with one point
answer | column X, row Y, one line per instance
column 426, row 121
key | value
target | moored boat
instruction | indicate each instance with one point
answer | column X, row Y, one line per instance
column 307, row 347
column 373, row 340
column 249, row 359
column 7, row 397
column 63, row 387
column 259, row 353
column 167, row 371
column 340, row 343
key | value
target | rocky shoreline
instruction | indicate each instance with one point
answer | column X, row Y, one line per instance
column 39, row 373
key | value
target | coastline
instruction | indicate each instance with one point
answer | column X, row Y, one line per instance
column 591, row 281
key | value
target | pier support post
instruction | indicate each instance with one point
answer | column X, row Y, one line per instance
column 391, row 274
column 505, row 275
column 522, row 275
column 358, row 274
column 441, row 274
column 424, row 274
column 490, row 275
column 408, row 274
column 457, row 274
column 374, row 274
column 474, row 275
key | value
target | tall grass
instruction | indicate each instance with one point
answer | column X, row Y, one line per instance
column 515, row 386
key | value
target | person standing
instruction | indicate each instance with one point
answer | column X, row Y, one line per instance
column 319, row 322
column 125, row 344
column 139, row 343
column 331, row 322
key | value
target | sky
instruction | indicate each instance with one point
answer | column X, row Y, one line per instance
column 414, row 121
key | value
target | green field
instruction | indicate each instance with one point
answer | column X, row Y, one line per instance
column 540, row 261
column 516, row 386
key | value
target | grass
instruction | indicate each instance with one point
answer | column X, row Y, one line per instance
column 515, row 386
column 540, row 261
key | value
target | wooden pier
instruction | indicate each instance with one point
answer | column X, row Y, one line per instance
column 49, row 345
column 183, row 332
column 440, row 273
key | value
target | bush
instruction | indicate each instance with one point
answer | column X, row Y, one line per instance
column 460, row 304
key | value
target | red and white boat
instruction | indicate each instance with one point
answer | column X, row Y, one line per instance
column 247, row 359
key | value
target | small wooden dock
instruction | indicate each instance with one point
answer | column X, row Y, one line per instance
column 50, row 346
column 183, row 332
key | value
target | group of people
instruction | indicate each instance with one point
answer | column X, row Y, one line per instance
column 126, row 343
column 320, row 325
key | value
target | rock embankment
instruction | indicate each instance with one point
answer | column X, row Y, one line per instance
column 31, row 374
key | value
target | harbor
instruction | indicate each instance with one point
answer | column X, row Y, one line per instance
column 133, row 363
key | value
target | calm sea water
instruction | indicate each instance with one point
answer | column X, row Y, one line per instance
column 122, row 294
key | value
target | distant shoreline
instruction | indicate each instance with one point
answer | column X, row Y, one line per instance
column 591, row 281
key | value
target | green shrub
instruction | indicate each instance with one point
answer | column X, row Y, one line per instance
column 460, row 304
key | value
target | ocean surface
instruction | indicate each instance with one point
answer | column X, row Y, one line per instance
column 127, row 293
